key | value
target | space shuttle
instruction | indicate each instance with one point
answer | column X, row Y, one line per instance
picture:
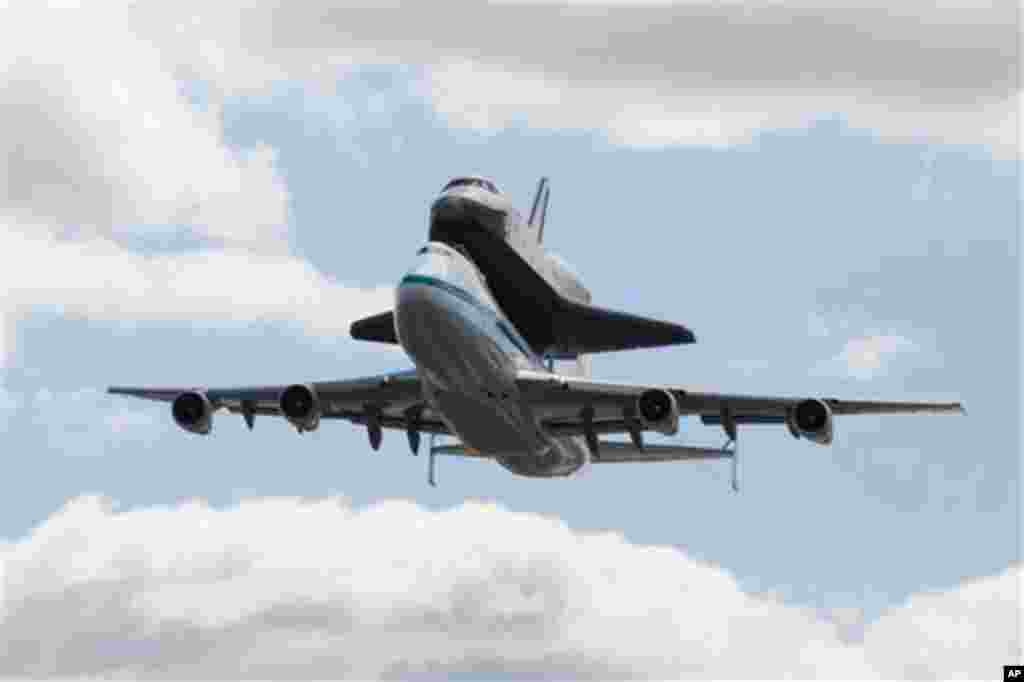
column 539, row 293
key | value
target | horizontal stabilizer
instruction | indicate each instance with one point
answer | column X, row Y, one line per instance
column 380, row 327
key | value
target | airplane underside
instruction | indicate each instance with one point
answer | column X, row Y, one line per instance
column 489, row 428
column 469, row 380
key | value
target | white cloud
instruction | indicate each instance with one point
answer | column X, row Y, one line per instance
column 694, row 71
column 304, row 589
column 874, row 351
column 867, row 357
column 654, row 114
column 99, row 137
column 712, row 72
column 97, row 279
column 101, row 141
column 951, row 631
column 101, row 145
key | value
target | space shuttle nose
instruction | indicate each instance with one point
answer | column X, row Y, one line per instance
column 451, row 207
column 453, row 216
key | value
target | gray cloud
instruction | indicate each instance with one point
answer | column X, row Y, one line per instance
column 101, row 144
column 290, row 589
column 99, row 137
column 704, row 71
column 97, row 279
column 937, row 50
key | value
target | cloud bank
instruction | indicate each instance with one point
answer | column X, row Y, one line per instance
column 688, row 72
column 287, row 588
column 97, row 279
column 685, row 72
column 104, row 143
column 104, row 151
column 100, row 136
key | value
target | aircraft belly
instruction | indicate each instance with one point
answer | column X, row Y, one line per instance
column 565, row 457
column 481, row 425
column 469, row 367
column 448, row 338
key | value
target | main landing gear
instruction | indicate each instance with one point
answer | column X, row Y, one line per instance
column 431, row 463
column 731, row 445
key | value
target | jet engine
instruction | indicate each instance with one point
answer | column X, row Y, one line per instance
column 659, row 411
column 812, row 419
column 193, row 412
column 301, row 406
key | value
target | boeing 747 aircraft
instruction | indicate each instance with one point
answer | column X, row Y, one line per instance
column 480, row 379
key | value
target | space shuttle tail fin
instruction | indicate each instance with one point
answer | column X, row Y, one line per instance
column 540, row 201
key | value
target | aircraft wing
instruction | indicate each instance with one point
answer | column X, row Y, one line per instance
column 559, row 400
column 390, row 399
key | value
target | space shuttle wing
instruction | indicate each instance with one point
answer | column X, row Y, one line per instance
column 577, row 328
column 581, row 328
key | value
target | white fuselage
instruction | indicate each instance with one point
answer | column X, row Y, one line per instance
column 467, row 354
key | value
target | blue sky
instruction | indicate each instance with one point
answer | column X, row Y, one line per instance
column 838, row 257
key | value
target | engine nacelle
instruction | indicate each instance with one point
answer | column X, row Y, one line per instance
column 193, row 412
column 659, row 411
column 812, row 419
column 301, row 406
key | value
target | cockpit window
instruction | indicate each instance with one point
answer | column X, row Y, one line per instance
column 440, row 251
column 472, row 182
column 430, row 248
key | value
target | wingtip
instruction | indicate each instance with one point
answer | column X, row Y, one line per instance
column 684, row 335
column 122, row 390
